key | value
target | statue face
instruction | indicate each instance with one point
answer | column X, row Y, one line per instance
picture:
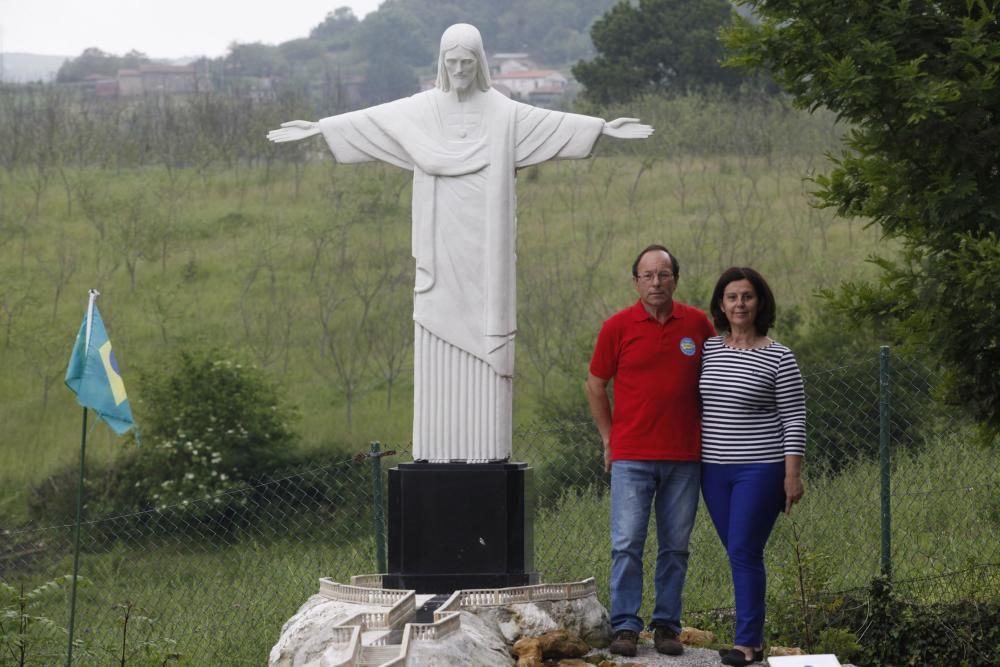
column 461, row 65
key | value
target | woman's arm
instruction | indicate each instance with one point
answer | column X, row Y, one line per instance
column 790, row 398
column 793, row 481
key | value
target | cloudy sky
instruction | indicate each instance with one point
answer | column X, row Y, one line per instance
column 158, row 28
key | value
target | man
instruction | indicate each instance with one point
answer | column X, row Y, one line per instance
column 652, row 448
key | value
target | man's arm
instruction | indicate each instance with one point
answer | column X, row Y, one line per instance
column 600, row 410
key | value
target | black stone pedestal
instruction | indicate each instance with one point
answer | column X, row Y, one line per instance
column 460, row 525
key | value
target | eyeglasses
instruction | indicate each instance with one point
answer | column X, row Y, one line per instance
column 649, row 276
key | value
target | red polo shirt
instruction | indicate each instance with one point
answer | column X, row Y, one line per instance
column 654, row 368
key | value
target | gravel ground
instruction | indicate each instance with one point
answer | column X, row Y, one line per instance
column 692, row 657
column 648, row 657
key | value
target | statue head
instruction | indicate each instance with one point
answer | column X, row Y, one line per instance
column 460, row 38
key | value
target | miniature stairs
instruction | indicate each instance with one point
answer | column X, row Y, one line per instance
column 400, row 611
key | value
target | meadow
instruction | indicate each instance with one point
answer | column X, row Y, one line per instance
column 303, row 267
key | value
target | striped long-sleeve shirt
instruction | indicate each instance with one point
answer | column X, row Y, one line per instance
column 753, row 404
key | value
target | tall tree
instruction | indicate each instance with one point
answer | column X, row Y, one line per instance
column 918, row 81
column 393, row 43
column 659, row 45
column 336, row 29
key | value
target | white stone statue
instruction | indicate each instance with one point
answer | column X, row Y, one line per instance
column 463, row 140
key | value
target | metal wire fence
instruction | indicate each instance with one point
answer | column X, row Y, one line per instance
column 893, row 485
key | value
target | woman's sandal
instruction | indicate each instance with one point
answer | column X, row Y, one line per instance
column 736, row 658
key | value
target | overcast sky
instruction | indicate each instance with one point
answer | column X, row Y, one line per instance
column 158, row 28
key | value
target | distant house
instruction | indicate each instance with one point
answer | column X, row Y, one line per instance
column 168, row 79
column 100, row 86
column 129, row 83
column 502, row 63
column 146, row 80
column 543, row 87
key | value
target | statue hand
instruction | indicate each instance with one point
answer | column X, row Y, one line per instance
column 627, row 128
column 294, row 130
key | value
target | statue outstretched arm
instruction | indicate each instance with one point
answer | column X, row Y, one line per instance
column 627, row 128
column 294, row 130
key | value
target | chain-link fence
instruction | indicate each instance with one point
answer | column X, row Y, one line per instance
column 893, row 484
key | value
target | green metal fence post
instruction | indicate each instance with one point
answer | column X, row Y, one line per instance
column 378, row 507
column 884, row 456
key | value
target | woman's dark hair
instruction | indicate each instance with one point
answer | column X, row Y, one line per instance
column 674, row 264
column 765, row 299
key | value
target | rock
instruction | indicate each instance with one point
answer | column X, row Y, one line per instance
column 785, row 650
column 566, row 629
column 305, row 636
column 572, row 662
column 584, row 617
column 555, row 644
column 558, row 644
column 476, row 644
column 528, row 651
column 562, row 644
column 696, row 637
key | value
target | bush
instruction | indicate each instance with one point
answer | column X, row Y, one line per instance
column 964, row 634
column 210, row 425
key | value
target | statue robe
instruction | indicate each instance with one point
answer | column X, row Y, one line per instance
column 464, row 238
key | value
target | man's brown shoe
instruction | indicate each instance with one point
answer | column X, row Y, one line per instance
column 666, row 642
column 624, row 643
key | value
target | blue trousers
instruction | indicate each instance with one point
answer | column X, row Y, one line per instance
column 744, row 500
column 636, row 487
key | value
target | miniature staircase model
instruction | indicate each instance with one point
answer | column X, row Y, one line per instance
column 364, row 639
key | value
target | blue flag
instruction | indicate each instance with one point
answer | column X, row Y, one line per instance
column 93, row 373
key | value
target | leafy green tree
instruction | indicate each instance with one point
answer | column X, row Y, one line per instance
column 659, row 45
column 302, row 49
column 918, row 81
column 392, row 42
column 255, row 59
column 336, row 29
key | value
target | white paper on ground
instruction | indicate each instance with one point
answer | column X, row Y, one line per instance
column 824, row 660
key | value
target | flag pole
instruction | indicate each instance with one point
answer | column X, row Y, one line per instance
column 79, row 496
column 76, row 539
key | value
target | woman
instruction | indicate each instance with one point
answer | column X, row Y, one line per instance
column 752, row 441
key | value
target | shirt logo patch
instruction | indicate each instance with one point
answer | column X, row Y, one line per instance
column 688, row 348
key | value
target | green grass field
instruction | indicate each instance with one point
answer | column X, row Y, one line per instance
column 278, row 263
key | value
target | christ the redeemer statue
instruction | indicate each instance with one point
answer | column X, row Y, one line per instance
column 463, row 141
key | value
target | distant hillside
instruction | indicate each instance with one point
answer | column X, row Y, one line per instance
column 22, row 67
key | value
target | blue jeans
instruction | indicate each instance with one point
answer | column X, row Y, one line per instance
column 744, row 500
column 635, row 487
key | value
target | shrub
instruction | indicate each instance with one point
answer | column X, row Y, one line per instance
column 964, row 633
column 210, row 425
column 26, row 635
